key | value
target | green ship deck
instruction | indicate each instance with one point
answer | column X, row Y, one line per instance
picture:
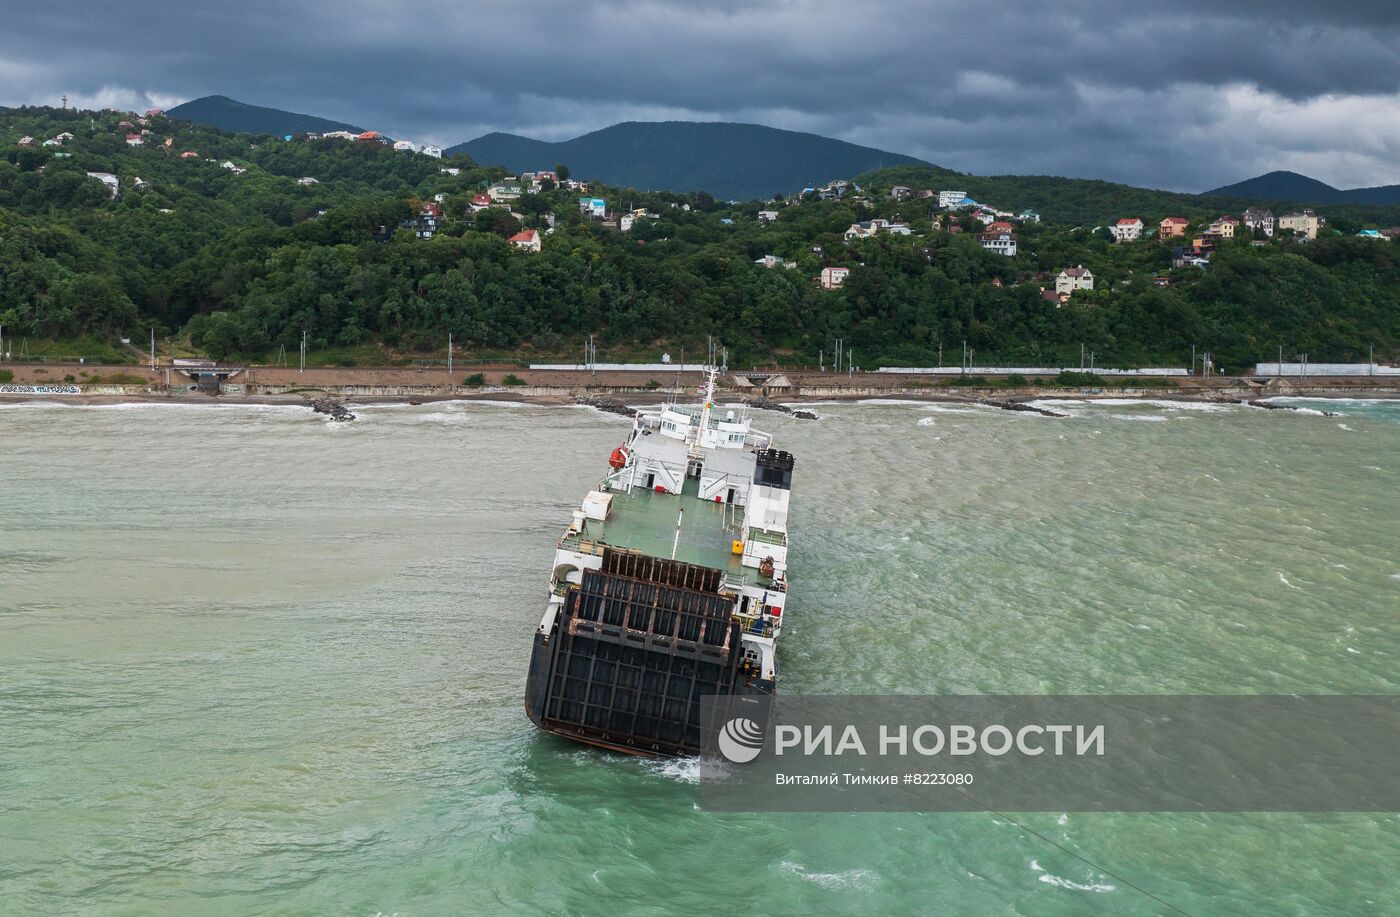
column 645, row 521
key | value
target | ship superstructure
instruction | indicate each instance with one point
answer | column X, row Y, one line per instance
column 668, row 584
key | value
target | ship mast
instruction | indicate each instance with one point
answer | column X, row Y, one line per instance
column 711, row 372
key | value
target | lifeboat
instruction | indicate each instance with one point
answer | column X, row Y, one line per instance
column 619, row 457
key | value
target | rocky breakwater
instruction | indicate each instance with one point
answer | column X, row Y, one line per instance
column 765, row 405
column 333, row 409
column 1269, row 406
column 607, row 405
column 1029, row 408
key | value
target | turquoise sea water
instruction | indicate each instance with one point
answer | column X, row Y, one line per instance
column 252, row 662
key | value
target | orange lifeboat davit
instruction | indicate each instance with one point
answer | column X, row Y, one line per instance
column 619, row 457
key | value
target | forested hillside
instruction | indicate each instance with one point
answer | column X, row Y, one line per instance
column 242, row 263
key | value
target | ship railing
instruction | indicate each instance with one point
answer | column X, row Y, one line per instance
column 766, row 537
column 581, row 545
column 756, row 625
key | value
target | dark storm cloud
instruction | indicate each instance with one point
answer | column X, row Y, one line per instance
column 1186, row 95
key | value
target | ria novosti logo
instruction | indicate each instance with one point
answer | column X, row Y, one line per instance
column 741, row 740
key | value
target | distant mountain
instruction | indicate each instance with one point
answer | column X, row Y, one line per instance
column 1292, row 187
column 238, row 117
column 739, row 161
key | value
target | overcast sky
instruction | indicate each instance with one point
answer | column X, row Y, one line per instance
column 1184, row 95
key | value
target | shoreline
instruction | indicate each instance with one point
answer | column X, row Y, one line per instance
column 365, row 386
column 1011, row 399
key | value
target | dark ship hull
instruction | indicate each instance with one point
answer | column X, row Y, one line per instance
column 633, row 650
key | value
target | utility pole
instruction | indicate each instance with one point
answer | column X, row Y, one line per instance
column 1279, row 367
column 821, row 359
column 940, row 354
column 302, row 367
column 1193, row 359
column 2, row 342
column 153, row 348
column 449, row 354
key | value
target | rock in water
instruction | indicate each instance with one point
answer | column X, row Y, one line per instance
column 764, row 405
column 610, row 405
column 1268, row 406
column 333, row 409
column 1019, row 406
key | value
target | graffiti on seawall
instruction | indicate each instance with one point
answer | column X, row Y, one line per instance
column 40, row 390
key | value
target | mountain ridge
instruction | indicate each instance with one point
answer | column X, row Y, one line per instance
column 725, row 158
column 234, row 116
column 1292, row 187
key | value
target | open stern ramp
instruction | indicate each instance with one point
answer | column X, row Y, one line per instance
column 637, row 645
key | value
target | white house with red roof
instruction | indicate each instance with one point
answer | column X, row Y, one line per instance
column 1127, row 230
column 527, row 240
column 481, row 201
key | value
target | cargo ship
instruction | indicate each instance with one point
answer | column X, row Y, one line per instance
column 668, row 585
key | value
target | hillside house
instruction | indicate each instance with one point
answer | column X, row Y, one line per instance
column 1172, row 227
column 1074, row 278
column 1000, row 242
column 1224, row 227
column 835, row 190
column 306, row 180
column 1194, row 256
column 140, row 184
column 527, row 240
column 833, row 277
column 1126, row 230
column 1303, row 223
column 768, row 216
column 901, row 193
column 1000, row 226
column 450, row 170
column 1371, row 234
column 772, row 261
column 155, row 113
column 189, row 154
column 370, row 137
column 503, row 192
column 26, row 141
column 431, row 149
column 481, row 201
column 108, row 179
column 1256, row 219
column 593, row 207
column 1028, row 216
column 984, row 216
column 949, row 200
column 232, row 166
column 426, row 224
